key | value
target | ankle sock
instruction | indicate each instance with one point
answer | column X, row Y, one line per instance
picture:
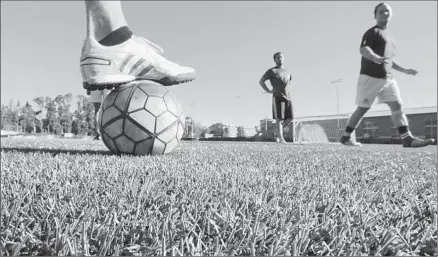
column 404, row 132
column 117, row 37
column 348, row 131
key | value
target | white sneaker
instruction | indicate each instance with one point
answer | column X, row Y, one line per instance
column 346, row 140
column 137, row 58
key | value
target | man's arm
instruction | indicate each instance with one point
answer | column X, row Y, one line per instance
column 368, row 40
column 263, row 85
column 369, row 54
column 266, row 76
column 397, row 67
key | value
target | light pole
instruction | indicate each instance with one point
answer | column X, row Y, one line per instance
column 337, row 81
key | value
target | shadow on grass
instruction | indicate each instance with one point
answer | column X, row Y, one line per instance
column 55, row 152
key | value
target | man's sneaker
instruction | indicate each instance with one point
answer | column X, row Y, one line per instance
column 346, row 140
column 280, row 140
column 105, row 67
column 417, row 142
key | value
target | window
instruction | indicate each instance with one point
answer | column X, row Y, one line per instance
column 430, row 127
column 394, row 132
column 369, row 129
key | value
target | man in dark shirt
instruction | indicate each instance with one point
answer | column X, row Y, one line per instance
column 282, row 110
column 376, row 80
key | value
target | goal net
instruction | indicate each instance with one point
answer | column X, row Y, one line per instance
column 320, row 129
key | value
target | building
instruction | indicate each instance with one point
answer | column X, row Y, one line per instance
column 377, row 126
column 268, row 127
column 189, row 128
column 229, row 131
column 247, row 132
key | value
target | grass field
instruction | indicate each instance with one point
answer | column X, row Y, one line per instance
column 72, row 197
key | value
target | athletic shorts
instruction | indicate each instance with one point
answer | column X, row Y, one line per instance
column 97, row 96
column 369, row 88
column 282, row 108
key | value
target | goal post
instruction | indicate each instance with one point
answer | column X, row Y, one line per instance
column 320, row 129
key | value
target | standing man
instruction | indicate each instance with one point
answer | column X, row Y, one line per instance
column 282, row 110
column 376, row 80
column 97, row 97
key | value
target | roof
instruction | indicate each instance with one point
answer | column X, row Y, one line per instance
column 407, row 111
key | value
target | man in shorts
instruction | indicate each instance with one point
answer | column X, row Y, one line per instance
column 376, row 80
column 280, row 79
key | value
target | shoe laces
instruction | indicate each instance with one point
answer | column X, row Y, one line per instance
column 419, row 142
column 158, row 52
column 156, row 47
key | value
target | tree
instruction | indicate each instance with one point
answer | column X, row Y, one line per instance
column 38, row 121
column 199, row 129
column 11, row 115
column 4, row 120
column 41, row 102
column 41, row 106
column 84, row 116
column 51, row 114
column 27, row 119
column 63, row 103
column 216, row 126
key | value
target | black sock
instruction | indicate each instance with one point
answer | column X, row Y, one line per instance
column 403, row 129
column 117, row 37
column 349, row 129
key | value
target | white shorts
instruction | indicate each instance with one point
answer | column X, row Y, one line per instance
column 369, row 88
column 97, row 96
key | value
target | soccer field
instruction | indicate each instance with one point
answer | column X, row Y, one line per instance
column 67, row 197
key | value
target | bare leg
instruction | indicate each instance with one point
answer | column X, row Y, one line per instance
column 398, row 118
column 104, row 68
column 355, row 119
column 103, row 17
column 400, row 121
column 352, row 123
column 96, row 111
column 279, row 125
column 287, row 123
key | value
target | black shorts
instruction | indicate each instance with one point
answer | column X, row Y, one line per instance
column 282, row 108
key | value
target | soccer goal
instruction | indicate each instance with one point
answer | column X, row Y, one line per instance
column 320, row 129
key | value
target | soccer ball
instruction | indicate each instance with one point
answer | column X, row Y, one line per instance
column 141, row 118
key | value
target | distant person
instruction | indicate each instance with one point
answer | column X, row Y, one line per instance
column 113, row 55
column 376, row 80
column 280, row 79
column 97, row 97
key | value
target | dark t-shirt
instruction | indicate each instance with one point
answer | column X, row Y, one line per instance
column 280, row 80
column 383, row 44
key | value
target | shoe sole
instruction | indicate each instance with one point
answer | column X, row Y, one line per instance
column 347, row 144
column 418, row 146
column 167, row 81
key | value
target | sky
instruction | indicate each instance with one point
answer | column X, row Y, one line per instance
column 230, row 45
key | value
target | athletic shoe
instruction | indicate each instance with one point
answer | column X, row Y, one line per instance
column 106, row 67
column 417, row 142
column 346, row 140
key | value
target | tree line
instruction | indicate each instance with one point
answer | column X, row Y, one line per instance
column 56, row 116
column 53, row 115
